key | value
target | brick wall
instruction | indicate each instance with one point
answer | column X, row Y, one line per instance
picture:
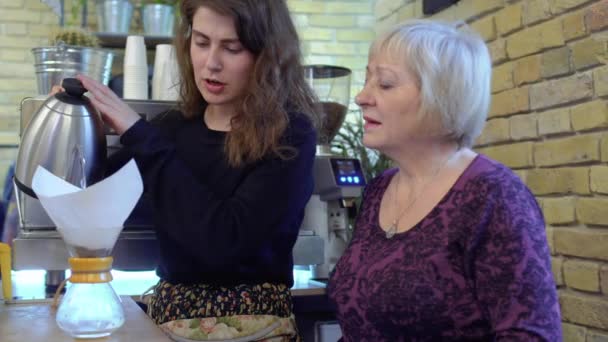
column 336, row 32
column 24, row 24
column 549, row 122
column 332, row 32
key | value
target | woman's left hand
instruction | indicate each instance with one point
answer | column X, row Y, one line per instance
column 114, row 111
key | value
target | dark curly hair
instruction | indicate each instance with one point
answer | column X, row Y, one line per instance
column 276, row 85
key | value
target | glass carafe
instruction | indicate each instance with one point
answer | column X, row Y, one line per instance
column 90, row 308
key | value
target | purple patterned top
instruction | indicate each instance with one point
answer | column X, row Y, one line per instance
column 477, row 267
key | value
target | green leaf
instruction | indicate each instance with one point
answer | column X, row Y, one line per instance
column 349, row 143
column 194, row 323
column 198, row 335
column 231, row 322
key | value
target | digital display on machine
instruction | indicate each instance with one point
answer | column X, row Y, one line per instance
column 347, row 172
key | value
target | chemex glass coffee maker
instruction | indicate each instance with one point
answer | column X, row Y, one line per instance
column 55, row 133
column 89, row 227
column 90, row 308
column 61, row 164
column 339, row 180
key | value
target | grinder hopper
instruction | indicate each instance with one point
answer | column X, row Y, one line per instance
column 332, row 86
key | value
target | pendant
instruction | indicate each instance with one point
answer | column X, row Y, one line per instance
column 391, row 231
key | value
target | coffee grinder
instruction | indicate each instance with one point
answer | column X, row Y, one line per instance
column 339, row 180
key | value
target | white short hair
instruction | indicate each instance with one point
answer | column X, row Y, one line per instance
column 453, row 69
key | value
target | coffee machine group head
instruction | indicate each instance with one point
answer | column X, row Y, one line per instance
column 339, row 182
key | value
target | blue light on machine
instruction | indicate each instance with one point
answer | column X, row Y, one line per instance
column 354, row 180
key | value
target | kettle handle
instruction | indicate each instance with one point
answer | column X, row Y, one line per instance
column 73, row 87
column 24, row 188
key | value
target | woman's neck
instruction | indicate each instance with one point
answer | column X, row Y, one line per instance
column 218, row 118
column 418, row 162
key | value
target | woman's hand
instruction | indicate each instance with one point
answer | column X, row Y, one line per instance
column 56, row 89
column 114, row 111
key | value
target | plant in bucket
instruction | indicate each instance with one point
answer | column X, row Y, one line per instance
column 71, row 51
column 72, row 48
column 89, row 221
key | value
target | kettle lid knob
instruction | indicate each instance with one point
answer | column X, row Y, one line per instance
column 73, row 87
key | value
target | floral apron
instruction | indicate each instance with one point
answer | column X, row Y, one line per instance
column 203, row 312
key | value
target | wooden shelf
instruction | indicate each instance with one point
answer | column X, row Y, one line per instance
column 118, row 40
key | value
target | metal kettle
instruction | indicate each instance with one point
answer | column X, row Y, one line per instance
column 66, row 137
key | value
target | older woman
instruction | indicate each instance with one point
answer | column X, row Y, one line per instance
column 450, row 245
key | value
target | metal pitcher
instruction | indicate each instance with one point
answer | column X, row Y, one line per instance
column 66, row 137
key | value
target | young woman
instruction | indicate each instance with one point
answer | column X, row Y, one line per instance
column 229, row 174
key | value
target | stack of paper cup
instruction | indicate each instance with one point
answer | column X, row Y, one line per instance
column 165, row 79
column 135, row 69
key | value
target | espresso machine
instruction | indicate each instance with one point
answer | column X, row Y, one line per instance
column 37, row 244
column 339, row 180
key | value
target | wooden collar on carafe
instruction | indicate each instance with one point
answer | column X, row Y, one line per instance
column 91, row 270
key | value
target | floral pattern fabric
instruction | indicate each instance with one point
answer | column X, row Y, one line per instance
column 204, row 312
column 261, row 328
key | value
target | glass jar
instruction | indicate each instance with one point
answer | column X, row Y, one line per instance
column 90, row 308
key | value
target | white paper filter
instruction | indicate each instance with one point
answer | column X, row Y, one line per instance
column 93, row 217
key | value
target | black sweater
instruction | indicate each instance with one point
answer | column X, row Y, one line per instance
column 217, row 224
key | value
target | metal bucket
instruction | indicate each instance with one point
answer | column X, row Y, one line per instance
column 157, row 20
column 114, row 16
column 54, row 63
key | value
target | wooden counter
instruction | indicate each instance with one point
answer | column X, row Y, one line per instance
column 36, row 322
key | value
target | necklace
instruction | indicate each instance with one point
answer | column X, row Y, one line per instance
column 392, row 229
